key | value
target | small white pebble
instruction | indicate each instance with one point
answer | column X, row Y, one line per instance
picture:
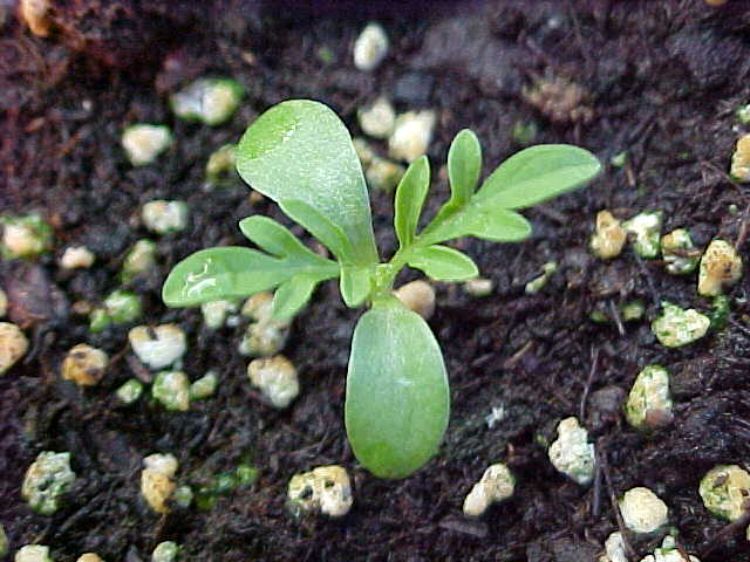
column 378, row 119
column 412, row 135
column 646, row 231
column 166, row 551
column 418, row 296
column 144, row 142
column 36, row 15
column 265, row 336
column 609, row 237
column 371, row 47
column 172, row 390
column 130, row 391
column 614, row 548
column 497, row 484
column 77, row 257
column 725, row 490
column 90, row 557
column 676, row 327
column 157, row 480
column 25, row 236
column 204, row 387
column 183, row 496
column 212, row 101
column 326, row 488
column 364, row 151
column 383, row 174
column 720, row 267
column 479, row 287
column 740, row 169
column 215, row 313
column 158, row 347
column 679, row 253
column 47, row 479
column 139, row 260
column 33, row 553
column 496, row 415
column 162, row 217
column 259, row 307
column 84, row 365
column 277, row 379
column 642, row 511
column 221, row 164
column 13, row 346
column 649, row 404
column 571, row 453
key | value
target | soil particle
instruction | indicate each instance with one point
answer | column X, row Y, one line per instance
column 33, row 298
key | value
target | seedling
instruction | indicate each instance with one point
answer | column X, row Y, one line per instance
column 300, row 155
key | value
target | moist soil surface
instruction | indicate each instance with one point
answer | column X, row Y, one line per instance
column 659, row 81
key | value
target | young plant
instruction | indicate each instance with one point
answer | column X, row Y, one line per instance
column 300, row 155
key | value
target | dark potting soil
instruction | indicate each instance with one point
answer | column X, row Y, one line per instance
column 661, row 81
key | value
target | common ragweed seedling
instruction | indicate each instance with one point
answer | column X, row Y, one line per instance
column 300, row 155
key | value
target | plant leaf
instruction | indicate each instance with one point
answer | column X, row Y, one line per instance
column 481, row 220
column 355, row 284
column 235, row 272
column 292, row 296
column 300, row 150
column 220, row 273
column 410, row 196
column 464, row 166
column 538, row 173
column 273, row 237
column 443, row 264
column 319, row 226
column 397, row 396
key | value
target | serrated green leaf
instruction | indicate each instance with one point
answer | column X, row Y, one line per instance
column 300, row 150
column 355, row 284
column 292, row 296
column 538, row 173
column 317, row 224
column 410, row 196
column 464, row 166
column 443, row 264
column 397, row 396
column 273, row 237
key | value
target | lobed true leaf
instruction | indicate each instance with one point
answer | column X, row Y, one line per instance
column 300, row 150
column 464, row 166
column 442, row 263
column 410, row 197
column 538, row 173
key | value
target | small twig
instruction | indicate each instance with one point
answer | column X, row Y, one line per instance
column 596, row 508
column 616, row 317
column 589, row 382
column 602, row 460
column 649, row 280
column 513, row 360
